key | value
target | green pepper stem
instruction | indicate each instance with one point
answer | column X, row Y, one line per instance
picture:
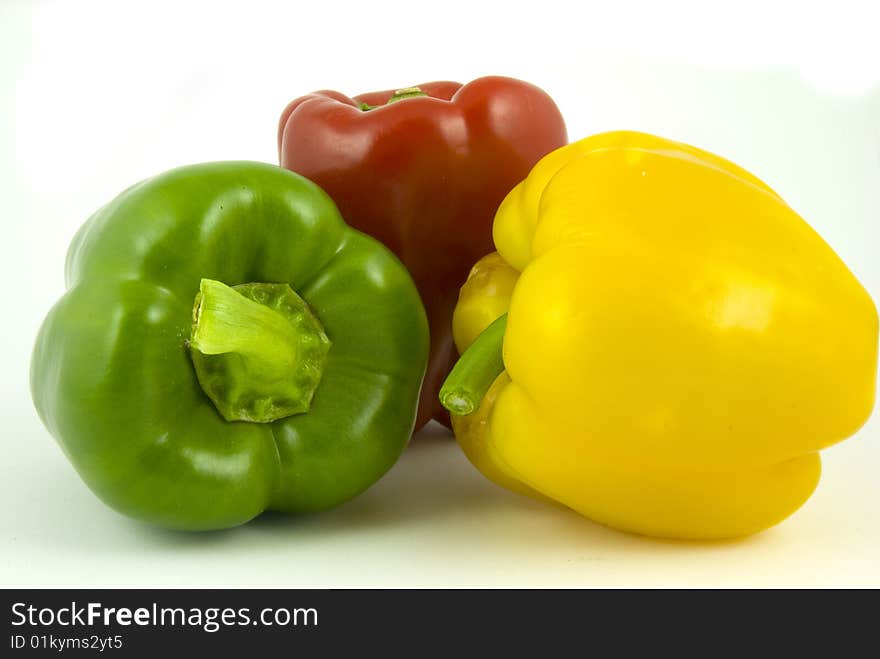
column 398, row 95
column 475, row 371
column 227, row 321
column 258, row 350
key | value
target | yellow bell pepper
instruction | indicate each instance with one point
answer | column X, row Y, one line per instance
column 660, row 343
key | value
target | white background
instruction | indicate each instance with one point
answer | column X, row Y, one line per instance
column 94, row 96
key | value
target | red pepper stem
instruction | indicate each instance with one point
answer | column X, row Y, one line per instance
column 475, row 371
column 399, row 95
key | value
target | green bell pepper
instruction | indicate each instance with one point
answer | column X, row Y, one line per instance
column 228, row 345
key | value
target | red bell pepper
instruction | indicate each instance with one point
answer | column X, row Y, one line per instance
column 424, row 169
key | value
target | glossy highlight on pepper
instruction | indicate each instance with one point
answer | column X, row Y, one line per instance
column 228, row 345
column 679, row 344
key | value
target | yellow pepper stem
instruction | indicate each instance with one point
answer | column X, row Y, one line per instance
column 475, row 371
